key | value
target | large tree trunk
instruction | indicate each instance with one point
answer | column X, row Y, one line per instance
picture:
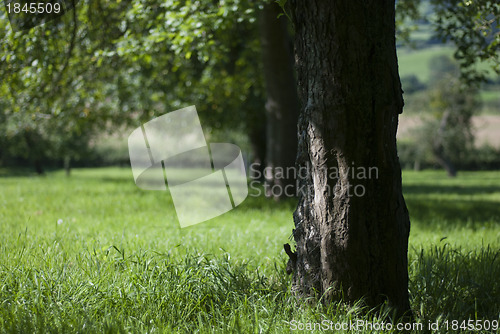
column 282, row 106
column 351, row 231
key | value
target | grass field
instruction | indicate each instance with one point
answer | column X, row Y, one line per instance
column 93, row 253
column 417, row 61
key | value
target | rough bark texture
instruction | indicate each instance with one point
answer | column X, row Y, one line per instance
column 282, row 106
column 349, row 246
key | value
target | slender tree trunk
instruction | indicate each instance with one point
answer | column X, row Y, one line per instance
column 256, row 129
column 257, row 137
column 282, row 106
column 446, row 164
column 34, row 151
column 67, row 165
column 438, row 147
column 351, row 228
column 38, row 166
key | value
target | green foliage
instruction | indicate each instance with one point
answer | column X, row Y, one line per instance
column 109, row 63
column 463, row 275
column 54, row 89
column 414, row 155
column 185, row 52
column 411, row 84
column 407, row 12
column 282, row 4
column 448, row 132
column 474, row 27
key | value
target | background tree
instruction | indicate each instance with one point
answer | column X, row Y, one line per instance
column 474, row 28
column 282, row 105
column 448, row 133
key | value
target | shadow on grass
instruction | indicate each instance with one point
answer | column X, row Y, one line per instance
column 427, row 189
column 454, row 283
column 18, row 172
column 268, row 204
column 461, row 211
column 453, row 212
column 452, row 204
column 254, row 201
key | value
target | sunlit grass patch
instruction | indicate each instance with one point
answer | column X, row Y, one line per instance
column 94, row 253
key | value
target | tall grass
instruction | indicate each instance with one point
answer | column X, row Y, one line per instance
column 92, row 253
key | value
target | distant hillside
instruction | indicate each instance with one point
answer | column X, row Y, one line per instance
column 415, row 72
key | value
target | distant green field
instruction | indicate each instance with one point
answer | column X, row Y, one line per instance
column 94, row 253
column 491, row 96
column 422, row 34
column 416, row 61
column 491, row 101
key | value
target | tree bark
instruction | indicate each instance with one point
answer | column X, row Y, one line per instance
column 282, row 106
column 349, row 245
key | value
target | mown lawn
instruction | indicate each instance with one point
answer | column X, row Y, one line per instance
column 93, row 253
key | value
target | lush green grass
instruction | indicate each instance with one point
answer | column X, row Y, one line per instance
column 93, row 253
